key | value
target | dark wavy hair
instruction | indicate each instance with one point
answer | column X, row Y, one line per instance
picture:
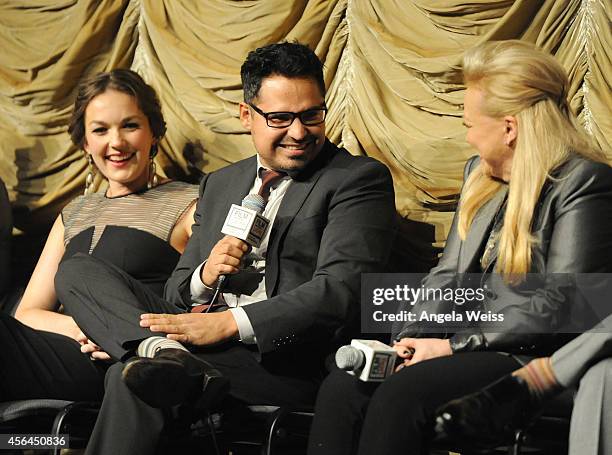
column 284, row 59
column 122, row 80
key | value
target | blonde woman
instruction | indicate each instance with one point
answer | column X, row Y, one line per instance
column 537, row 200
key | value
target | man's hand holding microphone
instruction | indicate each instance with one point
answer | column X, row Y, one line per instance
column 224, row 259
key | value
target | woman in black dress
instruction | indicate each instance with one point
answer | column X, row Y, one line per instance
column 140, row 224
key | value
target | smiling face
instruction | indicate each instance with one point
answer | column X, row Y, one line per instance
column 293, row 147
column 119, row 139
column 493, row 137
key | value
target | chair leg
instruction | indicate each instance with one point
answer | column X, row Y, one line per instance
column 267, row 446
column 515, row 449
column 213, row 435
column 58, row 425
column 60, row 418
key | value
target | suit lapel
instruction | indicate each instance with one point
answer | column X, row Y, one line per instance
column 241, row 181
column 479, row 231
column 297, row 193
column 291, row 204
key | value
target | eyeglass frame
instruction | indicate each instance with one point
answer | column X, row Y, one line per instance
column 293, row 114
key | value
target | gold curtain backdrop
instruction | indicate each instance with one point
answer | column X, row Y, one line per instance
column 392, row 91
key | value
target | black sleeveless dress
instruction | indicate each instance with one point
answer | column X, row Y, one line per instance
column 131, row 232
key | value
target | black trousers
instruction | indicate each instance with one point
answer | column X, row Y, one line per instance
column 396, row 416
column 39, row 364
column 107, row 303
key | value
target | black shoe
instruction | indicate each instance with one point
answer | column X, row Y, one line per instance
column 175, row 376
column 488, row 418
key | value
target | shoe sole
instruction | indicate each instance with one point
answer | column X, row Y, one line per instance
column 159, row 384
column 165, row 383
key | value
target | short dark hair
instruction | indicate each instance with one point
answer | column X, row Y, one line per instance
column 122, row 80
column 284, row 59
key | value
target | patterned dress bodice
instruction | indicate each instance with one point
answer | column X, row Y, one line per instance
column 132, row 231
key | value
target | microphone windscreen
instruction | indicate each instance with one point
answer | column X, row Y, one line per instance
column 349, row 358
column 254, row 202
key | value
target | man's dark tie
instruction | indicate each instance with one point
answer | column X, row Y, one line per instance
column 268, row 178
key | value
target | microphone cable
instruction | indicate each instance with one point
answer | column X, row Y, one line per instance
column 215, row 296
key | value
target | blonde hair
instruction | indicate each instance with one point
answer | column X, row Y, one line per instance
column 518, row 79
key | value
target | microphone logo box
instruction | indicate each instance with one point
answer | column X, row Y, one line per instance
column 245, row 224
column 379, row 360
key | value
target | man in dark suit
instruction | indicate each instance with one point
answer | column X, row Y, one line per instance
column 290, row 302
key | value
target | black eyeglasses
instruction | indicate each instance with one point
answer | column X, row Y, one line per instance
column 308, row 117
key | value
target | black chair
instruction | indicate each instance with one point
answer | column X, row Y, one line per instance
column 546, row 435
column 550, row 432
column 47, row 416
column 271, row 430
column 274, row 430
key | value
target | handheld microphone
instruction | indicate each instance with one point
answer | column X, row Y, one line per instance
column 369, row 360
column 246, row 222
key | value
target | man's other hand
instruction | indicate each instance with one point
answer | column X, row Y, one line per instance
column 193, row 328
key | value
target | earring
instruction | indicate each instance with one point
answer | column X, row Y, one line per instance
column 91, row 172
column 153, row 181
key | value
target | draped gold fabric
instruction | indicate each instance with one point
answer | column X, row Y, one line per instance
column 391, row 92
